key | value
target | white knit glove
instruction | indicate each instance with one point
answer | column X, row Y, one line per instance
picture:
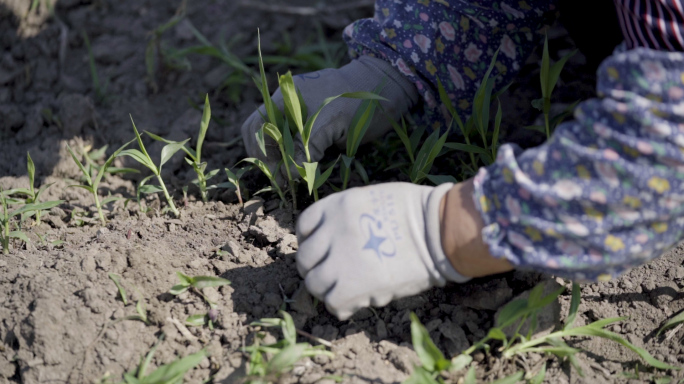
column 363, row 74
column 371, row 245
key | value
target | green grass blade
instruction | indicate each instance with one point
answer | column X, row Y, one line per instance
column 358, row 166
column 288, row 328
column 544, row 70
column 497, row 128
column 36, row 207
column 189, row 151
column 459, row 362
column 514, row 378
column 599, row 332
column 108, row 163
column 511, row 312
column 204, row 126
column 200, row 282
column 415, row 137
column 291, row 100
column 321, row 178
column 80, row 165
column 171, row 372
column 31, row 170
column 444, row 98
column 260, row 164
column 272, row 131
column 19, row 235
column 263, row 86
column 441, row 179
column 467, row 148
column 169, row 150
column 141, row 145
column 555, row 70
column 421, row 376
column 403, row 135
column 283, row 360
column 430, row 356
column 470, row 377
column 122, row 292
column 574, row 306
column 359, row 125
column 676, row 320
column 310, row 175
column 140, row 158
column 196, row 320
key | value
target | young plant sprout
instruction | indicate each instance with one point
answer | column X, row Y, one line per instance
column 296, row 121
column 549, row 75
column 195, row 156
column 93, row 178
column 514, row 316
column 168, row 373
column 142, row 157
column 31, row 195
column 197, row 283
column 234, row 180
column 7, row 215
column 285, row 353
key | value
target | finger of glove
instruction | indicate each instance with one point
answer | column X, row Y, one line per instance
column 313, row 251
column 311, row 219
column 339, row 302
column 321, row 279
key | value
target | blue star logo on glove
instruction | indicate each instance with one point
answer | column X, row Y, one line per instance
column 378, row 241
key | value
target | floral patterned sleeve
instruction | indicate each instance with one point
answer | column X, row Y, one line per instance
column 606, row 192
column 452, row 41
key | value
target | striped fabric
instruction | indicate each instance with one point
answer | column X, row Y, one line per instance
column 655, row 24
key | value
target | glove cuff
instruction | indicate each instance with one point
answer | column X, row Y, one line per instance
column 434, row 238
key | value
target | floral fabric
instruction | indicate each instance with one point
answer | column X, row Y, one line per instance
column 449, row 41
column 606, row 192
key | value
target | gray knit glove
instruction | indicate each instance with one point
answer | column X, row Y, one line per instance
column 371, row 245
column 363, row 74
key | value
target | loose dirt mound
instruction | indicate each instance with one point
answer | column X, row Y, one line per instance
column 58, row 308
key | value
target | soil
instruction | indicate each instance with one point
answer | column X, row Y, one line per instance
column 58, row 307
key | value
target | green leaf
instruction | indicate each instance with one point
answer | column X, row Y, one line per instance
column 191, row 153
column 470, row 377
column 441, row 179
column 430, row 356
column 142, row 147
column 178, row 289
column 497, row 334
column 173, row 372
column 200, row 282
column 106, row 165
column 574, row 305
column 86, row 187
column 196, row 320
column 403, row 136
column 140, row 158
column 260, row 164
column 415, row 137
column 272, row 131
column 679, row 318
column 116, row 170
column 291, row 100
column 555, row 70
column 514, row 378
column 204, row 126
column 149, row 189
column 261, row 142
column 169, row 150
column 263, row 87
column 420, row 376
column 115, row 278
column 497, row 128
column 309, row 175
column 459, row 362
column 110, row 199
column 284, row 359
column 467, row 148
column 444, row 98
column 599, row 332
column 322, row 178
column 31, row 169
column 512, row 311
column 36, row 207
column 86, row 174
column 358, row 166
column 544, row 72
column 288, row 328
column 19, row 235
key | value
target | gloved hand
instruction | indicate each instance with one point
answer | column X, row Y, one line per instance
column 371, row 245
column 363, row 74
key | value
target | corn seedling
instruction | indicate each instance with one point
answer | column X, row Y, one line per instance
column 234, row 180
column 197, row 283
column 296, row 120
column 171, row 373
column 674, row 321
column 549, row 75
column 122, row 292
column 154, row 52
column 93, row 177
column 30, row 194
column 142, row 157
column 514, row 316
column 99, row 88
column 194, row 156
column 285, row 353
column 203, row 319
column 357, row 130
column 6, row 220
